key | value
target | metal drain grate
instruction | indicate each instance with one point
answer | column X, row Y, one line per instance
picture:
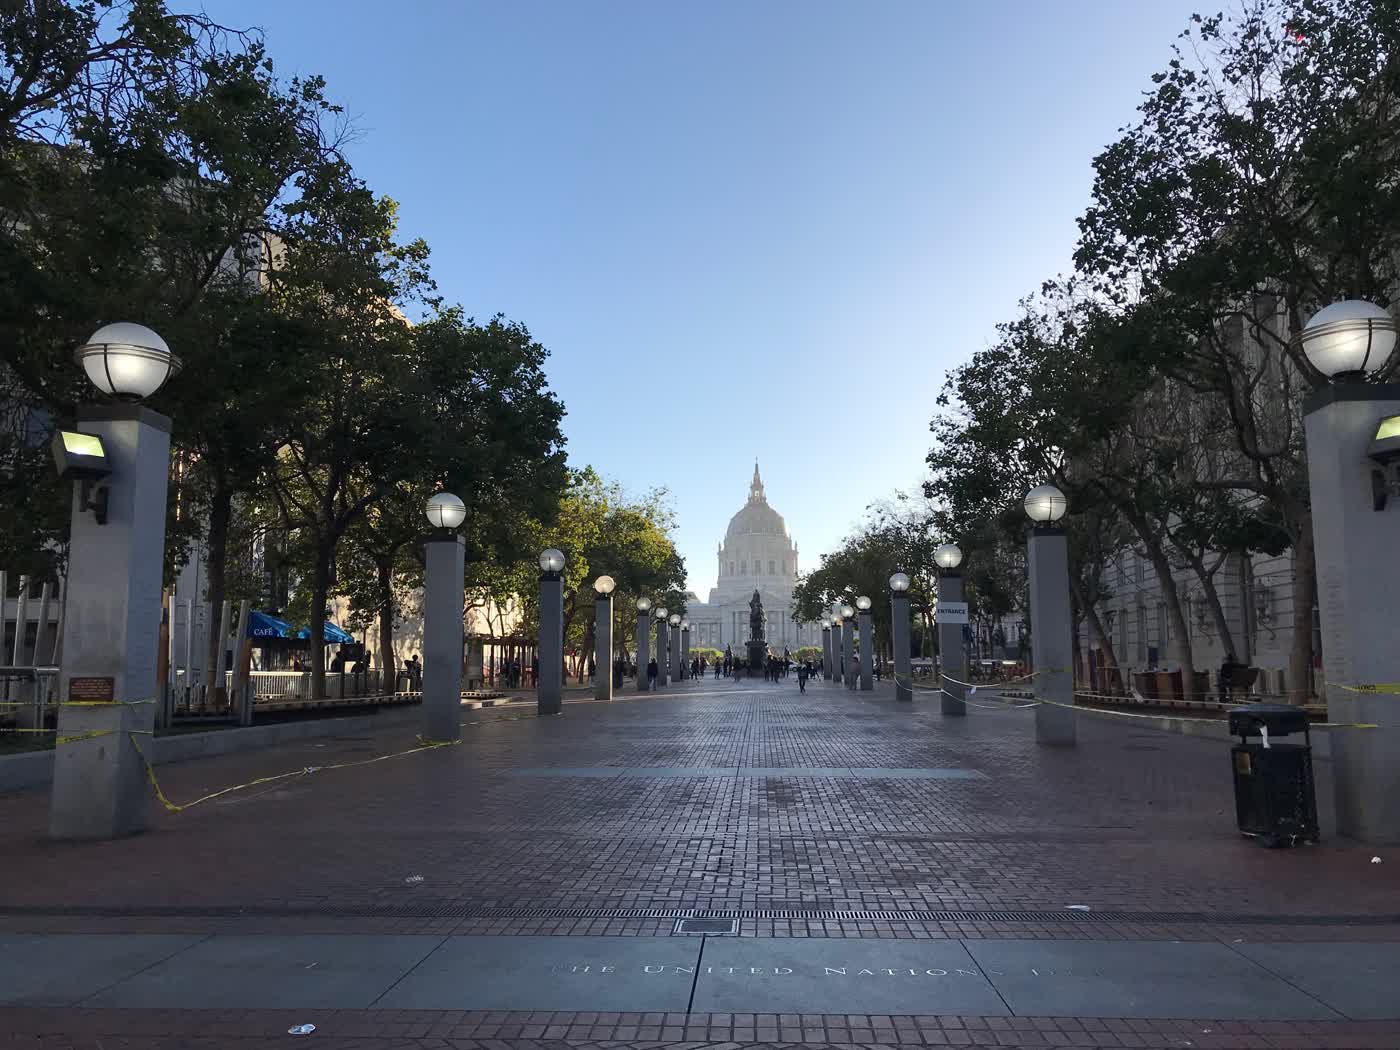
column 451, row 909
column 719, row 927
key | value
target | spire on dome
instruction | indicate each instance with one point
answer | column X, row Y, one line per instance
column 756, row 486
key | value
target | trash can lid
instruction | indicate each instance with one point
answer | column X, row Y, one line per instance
column 1278, row 719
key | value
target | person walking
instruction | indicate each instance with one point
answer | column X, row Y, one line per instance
column 652, row 670
column 801, row 678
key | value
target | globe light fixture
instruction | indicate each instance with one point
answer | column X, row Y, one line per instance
column 675, row 620
column 552, row 561
column 1349, row 338
column 1045, row 504
column 847, row 612
column 446, row 511
column 685, row 624
column 899, row 582
column 948, row 556
column 604, row 585
column 863, row 603
column 127, row 361
column 661, row 613
column 826, row 622
column 643, row 605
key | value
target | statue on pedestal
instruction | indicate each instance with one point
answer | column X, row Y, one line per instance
column 758, row 647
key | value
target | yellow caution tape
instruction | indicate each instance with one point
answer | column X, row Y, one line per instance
column 1182, row 718
column 175, row 807
column 74, row 738
column 1014, row 705
column 1371, row 687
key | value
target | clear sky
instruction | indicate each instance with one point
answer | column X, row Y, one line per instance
column 742, row 229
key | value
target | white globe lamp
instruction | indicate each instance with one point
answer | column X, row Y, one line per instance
column 1045, row 504
column 446, row 511
column 127, row 361
column 1349, row 338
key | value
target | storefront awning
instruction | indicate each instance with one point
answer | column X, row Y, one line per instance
column 265, row 627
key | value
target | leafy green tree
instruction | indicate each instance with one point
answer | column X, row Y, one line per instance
column 1254, row 189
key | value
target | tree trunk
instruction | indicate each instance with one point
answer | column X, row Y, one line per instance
column 589, row 643
column 1300, row 655
column 386, row 623
column 1217, row 610
column 1161, row 565
column 1098, row 637
column 320, row 592
column 1181, row 640
column 216, row 545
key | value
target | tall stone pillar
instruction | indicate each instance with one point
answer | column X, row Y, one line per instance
column 444, row 579
column 663, row 652
column 848, row 650
column 603, row 647
column 950, row 644
column 1358, row 578
column 900, row 635
column 111, row 630
column 550, row 689
column 685, row 650
column 643, row 649
column 867, row 650
column 1052, row 644
column 828, row 671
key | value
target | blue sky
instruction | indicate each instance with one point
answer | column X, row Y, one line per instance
column 742, row 229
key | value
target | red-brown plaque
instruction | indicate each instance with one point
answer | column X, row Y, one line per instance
column 90, row 689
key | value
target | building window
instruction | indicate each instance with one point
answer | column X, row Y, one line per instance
column 731, row 568
column 771, row 570
column 784, row 566
column 743, row 568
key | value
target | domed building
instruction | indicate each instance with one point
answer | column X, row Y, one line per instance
column 757, row 555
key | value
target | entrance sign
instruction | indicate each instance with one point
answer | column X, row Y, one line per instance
column 950, row 612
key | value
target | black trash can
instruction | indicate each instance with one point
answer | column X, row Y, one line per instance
column 1275, row 800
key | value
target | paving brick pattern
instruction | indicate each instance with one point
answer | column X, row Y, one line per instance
column 387, row 1029
column 1132, row 820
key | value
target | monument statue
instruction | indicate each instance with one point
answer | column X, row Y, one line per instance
column 757, row 646
column 756, row 619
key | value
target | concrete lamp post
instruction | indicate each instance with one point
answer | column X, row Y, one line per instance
column 685, row 647
column 118, row 455
column 828, row 668
column 603, row 587
column 838, row 669
column 899, row 632
column 950, row 615
column 549, row 690
column 848, row 644
column 444, row 576
column 1352, row 428
column 867, row 643
column 643, row 638
column 675, row 638
column 663, row 648
column 1052, row 652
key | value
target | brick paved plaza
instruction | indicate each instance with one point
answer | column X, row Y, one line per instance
column 912, row 874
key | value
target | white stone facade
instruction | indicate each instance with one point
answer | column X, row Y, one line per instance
column 757, row 555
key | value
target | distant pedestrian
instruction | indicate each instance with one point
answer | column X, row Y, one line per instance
column 802, row 678
column 652, row 671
